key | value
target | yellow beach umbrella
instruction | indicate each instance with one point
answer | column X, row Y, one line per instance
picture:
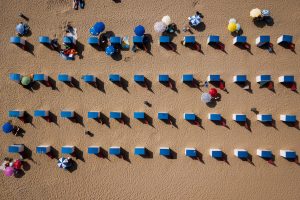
column 254, row 13
column 232, row 27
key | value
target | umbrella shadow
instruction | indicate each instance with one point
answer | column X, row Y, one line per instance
column 266, row 21
column 200, row 27
column 73, row 166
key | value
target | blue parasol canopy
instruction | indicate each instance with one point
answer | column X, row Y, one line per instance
column 20, row 28
column 97, row 28
column 139, row 30
column 195, row 20
column 63, row 163
column 7, row 127
column 110, row 50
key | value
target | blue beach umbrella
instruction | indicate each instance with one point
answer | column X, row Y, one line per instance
column 139, row 30
column 7, row 127
column 20, row 28
column 97, row 28
column 63, row 163
column 110, row 50
column 195, row 20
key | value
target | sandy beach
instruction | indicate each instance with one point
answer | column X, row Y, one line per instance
column 156, row 177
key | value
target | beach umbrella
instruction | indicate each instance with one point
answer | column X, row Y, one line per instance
column 254, row 13
column 63, row 163
column 213, row 92
column 265, row 13
column 232, row 20
column 160, row 27
column 195, row 20
column 205, row 97
column 9, row 171
column 231, row 27
column 20, row 28
column 7, row 127
column 139, row 30
column 25, row 80
column 110, row 50
column 17, row 164
column 166, row 19
column 97, row 28
column 238, row 27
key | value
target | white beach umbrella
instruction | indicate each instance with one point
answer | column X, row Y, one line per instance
column 205, row 97
column 160, row 27
column 254, row 13
column 63, row 163
column 166, row 19
column 232, row 20
column 195, row 20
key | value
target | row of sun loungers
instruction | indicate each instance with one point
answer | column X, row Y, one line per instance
column 260, row 41
column 163, row 151
column 160, row 115
column 161, row 78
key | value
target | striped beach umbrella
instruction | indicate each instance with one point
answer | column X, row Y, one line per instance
column 195, row 20
column 63, row 163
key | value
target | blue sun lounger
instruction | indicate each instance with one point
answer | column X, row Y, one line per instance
column 214, row 117
column 239, row 117
column 285, row 39
column 44, row 40
column 115, row 40
column 67, row 149
column 93, row 115
column 40, row 77
column 43, row 149
column 187, row 78
column 115, row 150
column 189, row 116
column 241, row 153
column 164, row 151
column 164, row 39
column 67, row 114
column 240, row 40
column 288, row 154
column 216, row 153
column 190, row 152
column 239, row 78
column 163, row 78
column 264, row 117
column 15, row 77
column 114, row 77
column 263, row 78
column 138, row 39
column 139, row 115
column 115, row 115
column 89, row 78
column 263, row 153
column 16, row 113
column 288, row 118
column 139, row 78
column 93, row 150
column 17, row 40
column 16, row 148
column 286, row 79
column 213, row 78
column 140, row 151
column 41, row 113
column 189, row 39
column 68, row 40
column 262, row 40
column 213, row 39
column 64, row 77
column 94, row 41
column 163, row 115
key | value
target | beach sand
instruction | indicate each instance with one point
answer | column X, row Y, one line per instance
column 152, row 178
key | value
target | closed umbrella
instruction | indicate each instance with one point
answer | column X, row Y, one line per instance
column 20, row 28
column 25, row 80
column 167, row 20
column 205, row 97
column 254, row 13
column 110, row 50
column 195, row 20
column 7, row 127
column 213, row 92
column 139, row 30
column 97, row 28
column 9, row 171
column 63, row 163
column 160, row 27
column 231, row 27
